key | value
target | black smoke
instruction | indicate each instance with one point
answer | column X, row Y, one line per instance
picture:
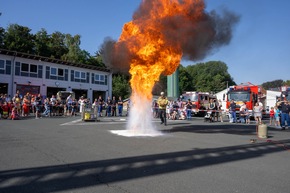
column 197, row 37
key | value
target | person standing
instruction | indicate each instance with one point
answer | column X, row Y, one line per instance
column 100, row 106
column 219, row 113
column 82, row 103
column 233, row 107
column 25, row 106
column 46, row 107
column 114, row 106
column 109, row 107
column 212, row 109
column 243, row 113
column 53, row 105
column 17, row 103
column 285, row 109
column 188, row 109
column 74, row 107
column 272, row 116
column 247, row 115
column 162, row 103
column 277, row 117
column 180, row 105
column 69, row 101
column 155, row 108
column 38, row 106
column 258, row 113
column 120, row 106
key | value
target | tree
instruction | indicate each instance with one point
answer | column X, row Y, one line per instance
column 18, row 38
column 86, row 58
column 57, row 45
column 42, row 41
column 273, row 84
column 286, row 83
column 99, row 59
column 121, row 86
column 185, row 80
column 96, row 60
column 209, row 76
column 74, row 52
column 2, row 34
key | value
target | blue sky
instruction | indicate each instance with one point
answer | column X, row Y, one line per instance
column 259, row 51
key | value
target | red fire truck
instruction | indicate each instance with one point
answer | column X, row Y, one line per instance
column 200, row 101
column 244, row 93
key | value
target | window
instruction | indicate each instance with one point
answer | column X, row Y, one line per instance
column 100, row 78
column 33, row 68
column 80, row 75
column 2, row 65
column 60, row 72
column 53, row 71
column 56, row 71
column 97, row 77
column 77, row 74
column 83, row 75
column 192, row 97
column 29, row 68
column 24, row 67
column 239, row 96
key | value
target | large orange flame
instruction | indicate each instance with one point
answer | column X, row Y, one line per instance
column 153, row 43
column 151, row 53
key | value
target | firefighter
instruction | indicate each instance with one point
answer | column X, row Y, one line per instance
column 162, row 103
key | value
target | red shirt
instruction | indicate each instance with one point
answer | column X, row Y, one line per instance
column 272, row 113
column 5, row 108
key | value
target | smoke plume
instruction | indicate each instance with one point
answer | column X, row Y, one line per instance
column 195, row 32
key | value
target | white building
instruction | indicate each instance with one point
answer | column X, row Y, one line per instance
column 47, row 76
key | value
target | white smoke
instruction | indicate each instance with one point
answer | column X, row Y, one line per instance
column 140, row 119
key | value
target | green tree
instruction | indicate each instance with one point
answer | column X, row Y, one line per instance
column 209, row 76
column 287, row 83
column 18, row 38
column 273, row 84
column 2, row 34
column 42, row 41
column 99, row 59
column 86, row 58
column 74, row 52
column 121, row 86
column 57, row 45
column 185, row 80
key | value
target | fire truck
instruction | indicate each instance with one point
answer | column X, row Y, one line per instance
column 200, row 101
column 244, row 93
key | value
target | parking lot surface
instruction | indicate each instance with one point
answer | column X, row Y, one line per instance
column 65, row 154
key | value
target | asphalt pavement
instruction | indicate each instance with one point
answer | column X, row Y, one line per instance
column 68, row 155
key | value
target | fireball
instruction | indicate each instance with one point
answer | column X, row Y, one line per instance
column 154, row 42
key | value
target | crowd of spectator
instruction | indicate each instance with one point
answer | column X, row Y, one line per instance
column 182, row 110
column 20, row 106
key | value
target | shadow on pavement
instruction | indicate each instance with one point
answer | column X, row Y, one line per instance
column 236, row 129
column 95, row 173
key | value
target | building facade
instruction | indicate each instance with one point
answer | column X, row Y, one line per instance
column 47, row 76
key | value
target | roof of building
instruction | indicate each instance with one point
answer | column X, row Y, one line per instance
column 51, row 60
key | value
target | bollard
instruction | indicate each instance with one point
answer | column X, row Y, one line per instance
column 262, row 131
